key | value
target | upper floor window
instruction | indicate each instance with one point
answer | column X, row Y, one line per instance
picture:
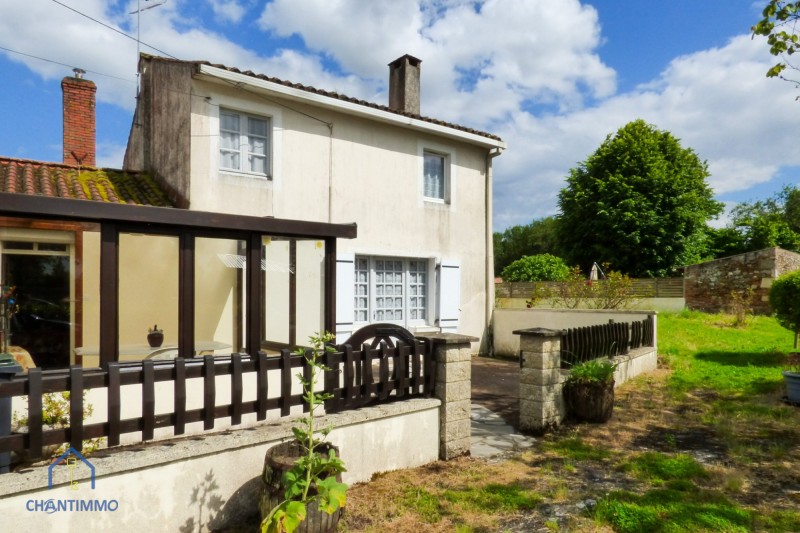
column 244, row 142
column 435, row 176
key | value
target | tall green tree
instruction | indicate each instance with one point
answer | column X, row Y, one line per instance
column 640, row 203
column 538, row 237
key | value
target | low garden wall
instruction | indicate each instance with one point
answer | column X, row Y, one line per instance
column 506, row 321
column 205, row 482
column 541, row 397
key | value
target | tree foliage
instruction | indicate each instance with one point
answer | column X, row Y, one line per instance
column 541, row 267
column 764, row 224
column 640, row 202
column 784, row 298
column 778, row 17
column 538, row 237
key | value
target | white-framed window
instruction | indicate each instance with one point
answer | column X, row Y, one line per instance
column 391, row 289
column 435, row 176
column 244, row 142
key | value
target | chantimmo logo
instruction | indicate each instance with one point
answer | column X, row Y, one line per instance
column 73, row 460
column 70, row 458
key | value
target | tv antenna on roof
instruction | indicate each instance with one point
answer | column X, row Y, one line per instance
column 149, row 4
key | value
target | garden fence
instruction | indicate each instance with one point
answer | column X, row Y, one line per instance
column 355, row 377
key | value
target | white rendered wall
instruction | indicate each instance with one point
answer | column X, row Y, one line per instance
column 154, row 485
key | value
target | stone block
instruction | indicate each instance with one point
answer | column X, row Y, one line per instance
column 539, row 393
column 541, row 360
column 451, row 392
column 455, row 448
column 459, row 410
column 456, row 430
column 541, row 376
column 453, row 353
column 529, row 343
column 451, row 372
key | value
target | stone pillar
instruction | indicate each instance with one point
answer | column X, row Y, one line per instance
column 453, row 356
column 541, row 402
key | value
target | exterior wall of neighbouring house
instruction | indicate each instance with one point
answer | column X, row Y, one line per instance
column 331, row 166
column 708, row 286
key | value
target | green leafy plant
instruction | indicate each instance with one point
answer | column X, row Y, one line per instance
column 740, row 305
column 55, row 414
column 540, row 267
column 592, row 371
column 784, row 298
column 780, row 15
column 574, row 291
column 313, row 476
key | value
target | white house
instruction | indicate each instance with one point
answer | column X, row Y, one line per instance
column 419, row 189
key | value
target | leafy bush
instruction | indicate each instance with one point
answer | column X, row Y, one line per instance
column 575, row 291
column 593, row 371
column 784, row 298
column 541, row 267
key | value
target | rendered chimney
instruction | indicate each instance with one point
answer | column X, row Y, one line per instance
column 79, row 120
column 404, row 84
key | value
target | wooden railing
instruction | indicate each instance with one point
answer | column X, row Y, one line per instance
column 605, row 340
column 641, row 288
column 356, row 378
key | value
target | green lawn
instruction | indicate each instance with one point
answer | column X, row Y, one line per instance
column 704, row 444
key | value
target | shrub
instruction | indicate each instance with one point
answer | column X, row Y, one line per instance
column 592, row 371
column 784, row 298
column 541, row 267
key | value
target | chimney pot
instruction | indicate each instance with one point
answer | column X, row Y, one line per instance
column 404, row 84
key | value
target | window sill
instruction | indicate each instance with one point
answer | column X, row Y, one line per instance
column 435, row 201
column 240, row 174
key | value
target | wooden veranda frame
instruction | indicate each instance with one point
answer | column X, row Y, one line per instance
column 186, row 225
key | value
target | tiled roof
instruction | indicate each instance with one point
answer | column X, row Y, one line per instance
column 337, row 96
column 62, row 181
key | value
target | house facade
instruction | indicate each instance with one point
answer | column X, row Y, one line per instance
column 222, row 140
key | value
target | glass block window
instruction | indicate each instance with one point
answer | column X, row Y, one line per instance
column 391, row 290
column 362, row 290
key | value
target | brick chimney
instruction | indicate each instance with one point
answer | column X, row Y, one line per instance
column 79, row 120
column 404, row 84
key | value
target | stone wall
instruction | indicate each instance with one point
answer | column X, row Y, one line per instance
column 708, row 286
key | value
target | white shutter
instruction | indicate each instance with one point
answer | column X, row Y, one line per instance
column 449, row 295
column 345, row 281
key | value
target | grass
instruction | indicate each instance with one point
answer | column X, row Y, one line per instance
column 703, row 444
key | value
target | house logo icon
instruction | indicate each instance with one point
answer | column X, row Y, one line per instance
column 71, row 457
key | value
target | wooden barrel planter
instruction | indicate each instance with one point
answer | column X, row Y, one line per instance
column 590, row 402
column 280, row 459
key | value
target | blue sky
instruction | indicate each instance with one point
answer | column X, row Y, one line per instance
column 551, row 78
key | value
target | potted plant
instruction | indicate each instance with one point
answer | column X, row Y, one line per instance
column 589, row 390
column 784, row 299
column 302, row 477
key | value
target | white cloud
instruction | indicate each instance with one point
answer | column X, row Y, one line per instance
column 489, row 64
column 228, row 10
